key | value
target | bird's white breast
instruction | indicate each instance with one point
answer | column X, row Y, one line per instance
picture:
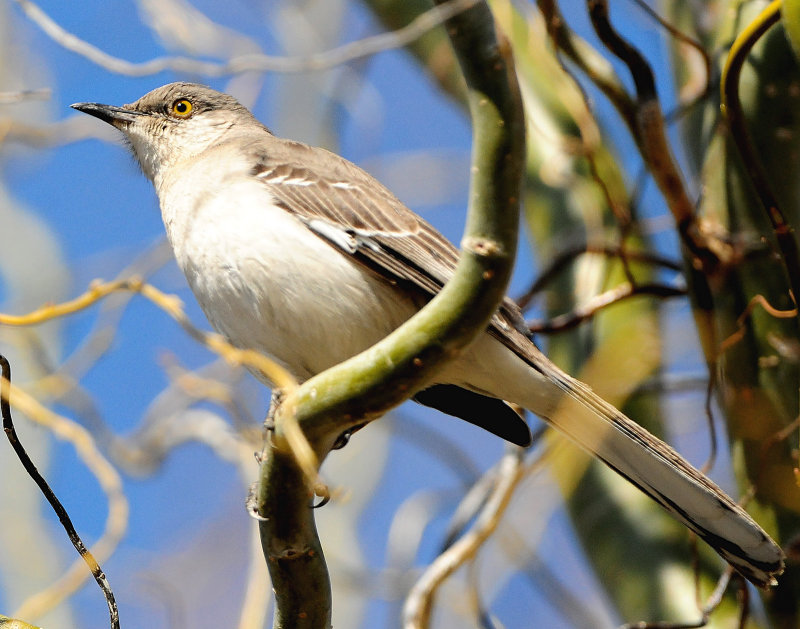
column 267, row 282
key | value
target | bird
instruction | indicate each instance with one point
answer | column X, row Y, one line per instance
column 298, row 253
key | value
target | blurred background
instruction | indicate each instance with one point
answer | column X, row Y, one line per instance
column 159, row 478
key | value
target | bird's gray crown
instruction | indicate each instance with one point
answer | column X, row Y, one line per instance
column 176, row 123
column 202, row 98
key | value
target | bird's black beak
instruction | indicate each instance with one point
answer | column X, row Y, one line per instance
column 117, row 116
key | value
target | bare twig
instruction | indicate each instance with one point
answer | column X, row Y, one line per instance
column 419, row 604
column 743, row 595
column 711, row 604
column 676, row 33
column 590, row 62
column 251, row 62
column 712, row 429
column 603, row 300
column 649, row 131
column 741, row 320
column 55, row 503
column 560, row 261
column 111, row 484
column 173, row 307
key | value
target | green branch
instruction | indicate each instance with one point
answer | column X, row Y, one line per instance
column 732, row 109
column 368, row 385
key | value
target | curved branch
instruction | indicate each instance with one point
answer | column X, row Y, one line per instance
column 649, row 131
column 732, row 110
column 367, row 385
column 590, row 62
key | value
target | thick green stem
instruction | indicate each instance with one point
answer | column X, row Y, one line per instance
column 371, row 383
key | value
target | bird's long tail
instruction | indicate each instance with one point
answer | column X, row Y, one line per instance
column 665, row 476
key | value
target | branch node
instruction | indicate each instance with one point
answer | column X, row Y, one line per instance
column 483, row 247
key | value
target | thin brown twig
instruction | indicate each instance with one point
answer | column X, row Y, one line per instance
column 588, row 129
column 649, row 131
column 679, row 35
column 621, row 211
column 589, row 134
column 110, row 482
column 715, row 598
column 640, row 70
column 563, row 258
column 741, row 320
column 590, row 62
column 713, row 601
column 712, row 428
column 44, row 487
column 743, row 594
column 617, row 294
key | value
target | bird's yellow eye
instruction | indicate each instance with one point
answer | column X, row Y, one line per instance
column 181, row 108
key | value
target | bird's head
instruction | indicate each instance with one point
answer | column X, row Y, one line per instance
column 173, row 123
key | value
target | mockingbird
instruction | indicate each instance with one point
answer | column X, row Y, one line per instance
column 298, row 253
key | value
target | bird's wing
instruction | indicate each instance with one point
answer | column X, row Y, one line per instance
column 354, row 212
column 350, row 209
